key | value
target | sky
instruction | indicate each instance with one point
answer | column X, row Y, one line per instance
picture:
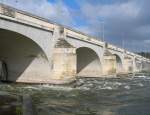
column 125, row 23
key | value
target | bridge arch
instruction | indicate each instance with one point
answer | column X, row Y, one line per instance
column 88, row 62
column 26, row 60
column 39, row 36
column 128, row 63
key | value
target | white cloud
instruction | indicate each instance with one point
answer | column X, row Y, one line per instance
column 57, row 12
column 147, row 41
column 127, row 9
column 128, row 20
column 143, row 30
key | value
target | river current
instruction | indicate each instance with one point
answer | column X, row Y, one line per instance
column 116, row 96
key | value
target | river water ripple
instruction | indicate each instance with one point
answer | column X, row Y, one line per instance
column 125, row 96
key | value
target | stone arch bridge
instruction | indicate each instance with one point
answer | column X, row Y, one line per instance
column 38, row 51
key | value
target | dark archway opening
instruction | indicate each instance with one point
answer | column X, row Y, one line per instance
column 24, row 58
column 88, row 63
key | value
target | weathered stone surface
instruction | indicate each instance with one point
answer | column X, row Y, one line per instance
column 62, row 43
column 64, row 64
column 109, row 65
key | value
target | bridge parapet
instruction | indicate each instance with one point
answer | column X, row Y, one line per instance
column 82, row 36
column 25, row 17
column 110, row 46
column 30, row 19
column 7, row 11
column 130, row 53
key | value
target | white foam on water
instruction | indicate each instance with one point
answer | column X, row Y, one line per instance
column 118, row 83
column 140, row 84
column 107, row 87
column 83, row 88
column 63, row 88
column 96, row 81
column 56, row 87
column 31, row 87
column 81, row 81
column 110, row 85
column 141, row 76
column 88, row 85
column 127, row 87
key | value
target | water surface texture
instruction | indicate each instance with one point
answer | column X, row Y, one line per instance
column 125, row 96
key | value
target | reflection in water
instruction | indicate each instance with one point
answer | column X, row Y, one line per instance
column 125, row 96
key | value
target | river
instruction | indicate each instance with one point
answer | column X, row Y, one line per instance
column 115, row 96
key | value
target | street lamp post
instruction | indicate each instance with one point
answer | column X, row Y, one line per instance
column 103, row 32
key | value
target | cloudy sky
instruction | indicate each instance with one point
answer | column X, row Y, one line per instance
column 126, row 22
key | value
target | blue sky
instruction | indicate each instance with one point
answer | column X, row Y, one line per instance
column 125, row 21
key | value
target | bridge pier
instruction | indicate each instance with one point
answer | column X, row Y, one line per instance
column 63, row 61
column 128, row 64
column 145, row 66
column 109, row 63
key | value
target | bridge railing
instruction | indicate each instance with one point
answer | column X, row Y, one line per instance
column 81, row 36
column 25, row 17
column 7, row 11
column 44, row 23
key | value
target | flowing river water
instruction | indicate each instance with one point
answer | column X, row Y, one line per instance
column 115, row 96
